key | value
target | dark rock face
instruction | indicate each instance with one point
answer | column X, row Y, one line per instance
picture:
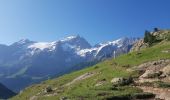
column 5, row 93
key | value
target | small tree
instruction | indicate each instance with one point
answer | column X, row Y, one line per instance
column 156, row 29
column 146, row 36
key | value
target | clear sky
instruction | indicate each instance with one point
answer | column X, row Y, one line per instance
column 95, row 20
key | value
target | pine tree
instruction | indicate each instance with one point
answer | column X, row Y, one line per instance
column 149, row 38
column 146, row 36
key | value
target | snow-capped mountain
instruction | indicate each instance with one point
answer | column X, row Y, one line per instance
column 26, row 62
column 104, row 50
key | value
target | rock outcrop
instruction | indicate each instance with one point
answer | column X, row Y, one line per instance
column 160, row 35
column 122, row 81
column 154, row 71
column 139, row 45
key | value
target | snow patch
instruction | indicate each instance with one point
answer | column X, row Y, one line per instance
column 68, row 38
column 43, row 45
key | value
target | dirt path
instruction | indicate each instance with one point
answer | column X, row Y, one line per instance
column 161, row 93
column 82, row 77
column 79, row 78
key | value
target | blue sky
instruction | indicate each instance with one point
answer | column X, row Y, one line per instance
column 95, row 20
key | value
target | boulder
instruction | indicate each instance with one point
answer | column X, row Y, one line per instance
column 116, row 80
column 166, row 70
column 139, row 45
column 122, row 81
column 151, row 74
column 64, row 98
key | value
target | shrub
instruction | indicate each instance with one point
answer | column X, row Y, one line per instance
column 144, row 95
column 156, row 29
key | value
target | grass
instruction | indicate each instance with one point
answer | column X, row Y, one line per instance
column 86, row 89
column 162, row 84
column 149, row 54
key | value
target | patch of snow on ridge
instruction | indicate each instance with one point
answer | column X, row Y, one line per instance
column 83, row 52
column 113, row 43
column 68, row 38
column 43, row 45
column 97, row 49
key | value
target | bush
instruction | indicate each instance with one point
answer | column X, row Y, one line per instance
column 144, row 95
column 156, row 29
column 121, row 97
column 126, row 66
column 48, row 89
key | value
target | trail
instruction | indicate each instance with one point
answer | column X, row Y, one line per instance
column 79, row 78
column 82, row 77
column 161, row 93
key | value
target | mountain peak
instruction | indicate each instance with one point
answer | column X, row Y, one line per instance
column 71, row 38
column 23, row 41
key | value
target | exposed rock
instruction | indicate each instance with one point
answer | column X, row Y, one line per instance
column 153, row 65
column 122, row 81
column 161, row 93
column 166, row 70
column 101, row 82
column 166, row 51
column 139, row 45
column 153, row 71
column 151, row 74
column 116, row 80
column 64, row 98
column 160, row 35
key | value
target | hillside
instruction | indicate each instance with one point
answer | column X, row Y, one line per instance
column 123, row 78
column 142, row 74
column 5, row 92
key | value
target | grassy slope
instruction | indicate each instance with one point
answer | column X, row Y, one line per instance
column 106, row 70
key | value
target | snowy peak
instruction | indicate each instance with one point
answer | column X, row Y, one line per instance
column 76, row 42
column 23, row 42
column 71, row 42
column 115, row 42
column 70, row 38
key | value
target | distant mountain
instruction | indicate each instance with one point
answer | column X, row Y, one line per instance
column 26, row 62
column 5, row 93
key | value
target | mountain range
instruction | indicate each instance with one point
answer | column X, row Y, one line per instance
column 27, row 62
